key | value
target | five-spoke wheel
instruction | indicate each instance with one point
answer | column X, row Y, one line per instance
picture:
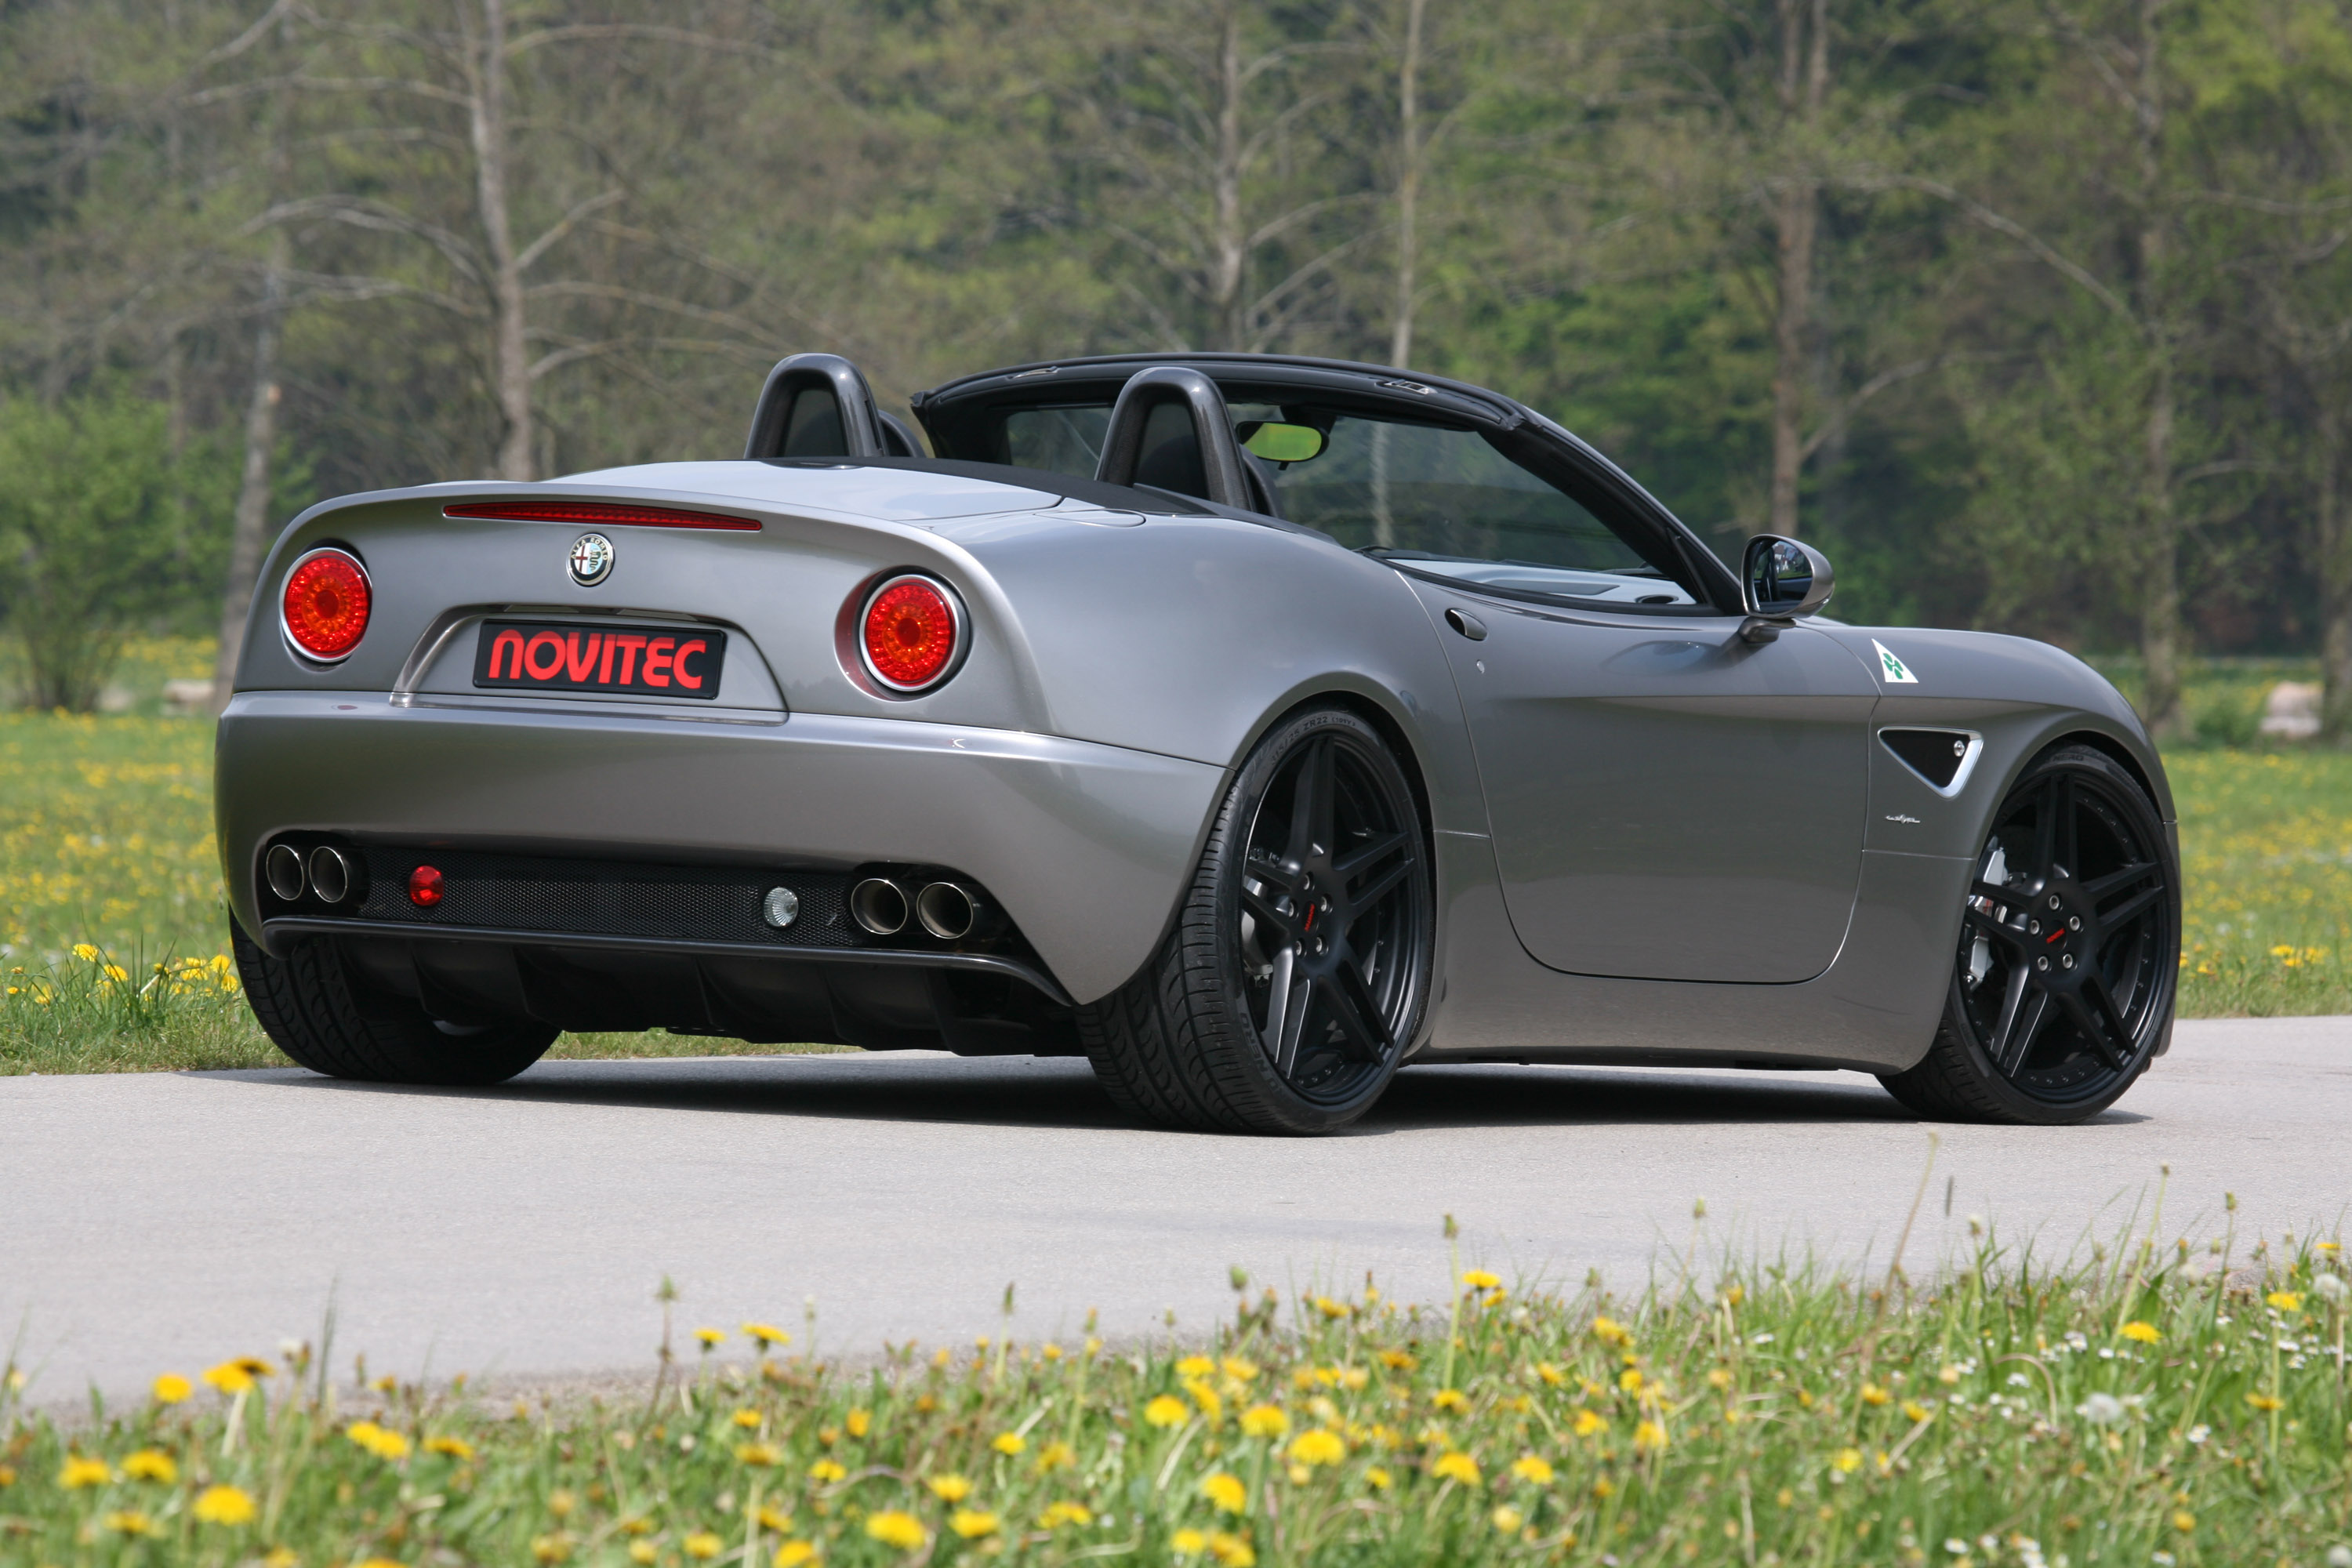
column 2068, row 952
column 1299, row 970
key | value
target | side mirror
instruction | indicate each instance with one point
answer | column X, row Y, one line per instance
column 1780, row 581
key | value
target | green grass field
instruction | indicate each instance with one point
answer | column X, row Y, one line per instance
column 106, row 851
column 2152, row 1407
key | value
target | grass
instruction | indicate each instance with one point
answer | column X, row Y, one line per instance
column 106, row 843
column 2151, row 1407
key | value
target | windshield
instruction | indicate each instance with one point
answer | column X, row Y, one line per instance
column 1437, row 499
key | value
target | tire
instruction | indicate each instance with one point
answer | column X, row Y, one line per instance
column 1315, row 887
column 2068, row 961
column 311, row 1009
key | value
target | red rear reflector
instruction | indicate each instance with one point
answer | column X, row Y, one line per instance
column 910, row 633
column 425, row 886
column 604, row 513
column 326, row 603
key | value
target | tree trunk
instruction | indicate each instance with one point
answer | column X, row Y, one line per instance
column 2159, row 546
column 1408, row 186
column 1804, row 81
column 1226, row 285
column 2334, row 559
column 249, row 530
column 509, row 365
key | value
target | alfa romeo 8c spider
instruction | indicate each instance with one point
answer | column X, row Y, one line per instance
column 1252, row 726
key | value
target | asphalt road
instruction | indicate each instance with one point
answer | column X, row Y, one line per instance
column 166, row 1221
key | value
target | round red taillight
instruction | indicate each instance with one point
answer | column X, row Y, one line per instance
column 326, row 606
column 911, row 633
column 425, row 886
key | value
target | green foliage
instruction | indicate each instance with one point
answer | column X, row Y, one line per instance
column 102, row 528
column 2167, row 1405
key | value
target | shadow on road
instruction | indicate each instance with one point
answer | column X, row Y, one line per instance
column 1030, row 1093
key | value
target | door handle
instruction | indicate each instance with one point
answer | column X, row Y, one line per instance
column 1468, row 625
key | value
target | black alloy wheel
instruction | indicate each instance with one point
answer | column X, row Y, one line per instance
column 1298, row 970
column 2069, row 951
column 1329, row 917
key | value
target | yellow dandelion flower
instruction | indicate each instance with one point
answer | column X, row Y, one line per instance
column 151, row 1465
column 949, row 1488
column 1450, row 1399
column 1232, row 1550
column 971, row 1523
column 1610, row 1331
column 1630, row 1380
column 1195, row 1366
column 1718, row 1379
column 1552, row 1376
column 1507, row 1519
column 1226, row 1492
column 748, row 1417
column 1008, row 1442
column 1588, row 1422
column 1058, row 1514
column 710, row 1338
column 790, row 1554
column 452, row 1448
column 767, row 1334
column 1846, row 1461
column 2286, row 1300
column 224, row 1505
column 2265, row 1401
column 1167, row 1410
column 1873, row 1395
column 1330, row 1309
column 1649, row 1435
column 893, row 1528
column 702, row 1545
column 1398, row 1360
column 759, row 1454
column 78, row 1472
column 1187, row 1543
column 230, row 1377
column 1915, row 1411
column 859, row 1422
column 377, row 1440
column 1056, row 1456
column 1206, row 1398
column 2146, row 1333
column 1240, row 1371
column 1263, row 1421
column 1377, row 1479
column 1604, row 1488
column 84, row 951
column 281, row 1557
column 1534, row 1470
column 552, row 1548
column 171, row 1388
column 770, row 1518
column 2183, row 1520
column 129, row 1522
column 1479, row 1279
column 827, row 1471
column 1457, row 1466
column 1319, row 1449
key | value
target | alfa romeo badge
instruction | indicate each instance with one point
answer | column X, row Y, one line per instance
column 592, row 559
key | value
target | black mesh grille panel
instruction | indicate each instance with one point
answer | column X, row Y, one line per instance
column 608, row 897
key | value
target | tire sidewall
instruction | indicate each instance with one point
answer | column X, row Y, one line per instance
column 2014, row 1103
column 1224, row 863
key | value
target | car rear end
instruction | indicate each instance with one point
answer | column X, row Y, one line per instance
column 742, row 748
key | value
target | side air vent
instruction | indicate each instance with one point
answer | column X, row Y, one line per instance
column 1937, row 756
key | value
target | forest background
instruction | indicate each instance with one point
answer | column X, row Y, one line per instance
column 2036, row 315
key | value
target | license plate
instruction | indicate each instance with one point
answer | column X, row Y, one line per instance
column 642, row 661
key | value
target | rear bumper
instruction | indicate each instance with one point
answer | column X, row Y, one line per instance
column 1085, row 847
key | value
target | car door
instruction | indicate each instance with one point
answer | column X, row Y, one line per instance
column 1668, row 802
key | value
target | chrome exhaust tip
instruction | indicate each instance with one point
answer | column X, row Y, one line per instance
column 947, row 910
column 330, row 874
column 878, row 905
column 282, row 868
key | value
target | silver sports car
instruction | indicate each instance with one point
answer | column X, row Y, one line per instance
column 1254, row 726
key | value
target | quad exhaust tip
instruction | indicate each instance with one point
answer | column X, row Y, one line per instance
column 878, row 905
column 947, row 910
column 282, row 867
column 330, row 874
